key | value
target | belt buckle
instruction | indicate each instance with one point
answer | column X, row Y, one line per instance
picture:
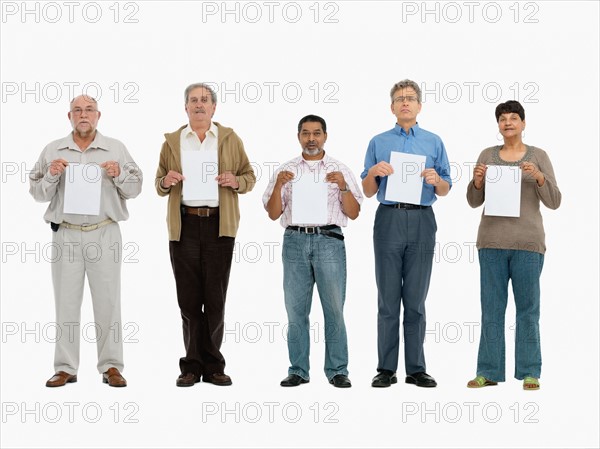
column 310, row 229
column 202, row 212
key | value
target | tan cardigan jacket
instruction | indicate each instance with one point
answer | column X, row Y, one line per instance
column 232, row 157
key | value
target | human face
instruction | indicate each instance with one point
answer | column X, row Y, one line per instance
column 84, row 116
column 312, row 138
column 405, row 106
column 510, row 125
column 200, row 107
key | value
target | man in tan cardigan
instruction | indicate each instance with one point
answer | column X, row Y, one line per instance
column 202, row 232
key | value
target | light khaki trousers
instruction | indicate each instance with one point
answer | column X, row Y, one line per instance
column 97, row 255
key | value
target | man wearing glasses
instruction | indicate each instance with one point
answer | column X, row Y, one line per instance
column 86, row 240
column 404, row 236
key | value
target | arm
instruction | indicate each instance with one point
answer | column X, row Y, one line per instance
column 43, row 179
column 476, row 188
column 161, row 171
column 439, row 176
column 274, row 204
column 349, row 194
column 245, row 177
column 547, row 191
column 129, row 180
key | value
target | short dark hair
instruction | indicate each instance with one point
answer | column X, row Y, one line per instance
column 510, row 107
column 312, row 118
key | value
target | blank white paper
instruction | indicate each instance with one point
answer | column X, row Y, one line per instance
column 309, row 199
column 503, row 191
column 83, row 186
column 200, row 169
column 405, row 185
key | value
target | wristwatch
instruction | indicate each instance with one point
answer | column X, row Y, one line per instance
column 346, row 189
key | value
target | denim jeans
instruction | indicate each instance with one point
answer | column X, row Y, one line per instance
column 523, row 268
column 310, row 259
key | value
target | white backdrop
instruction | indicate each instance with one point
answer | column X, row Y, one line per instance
column 272, row 63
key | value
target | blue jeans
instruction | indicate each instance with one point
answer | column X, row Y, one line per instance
column 523, row 268
column 310, row 259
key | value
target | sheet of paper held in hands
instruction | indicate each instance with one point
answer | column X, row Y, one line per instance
column 503, row 191
column 405, row 185
column 83, row 184
column 200, row 168
column 309, row 199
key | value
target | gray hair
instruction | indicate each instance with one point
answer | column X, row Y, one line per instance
column 191, row 87
column 404, row 84
column 85, row 97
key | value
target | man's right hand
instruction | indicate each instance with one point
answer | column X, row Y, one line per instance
column 172, row 178
column 283, row 178
column 381, row 169
column 57, row 167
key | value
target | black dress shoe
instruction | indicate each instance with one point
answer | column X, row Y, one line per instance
column 187, row 380
column 340, row 381
column 293, row 380
column 220, row 379
column 421, row 380
column 385, row 378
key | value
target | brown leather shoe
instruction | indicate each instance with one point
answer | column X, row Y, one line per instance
column 113, row 378
column 60, row 379
column 187, row 380
column 217, row 379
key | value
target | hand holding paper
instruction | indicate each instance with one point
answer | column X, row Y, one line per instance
column 57, row 166
column 112, row 168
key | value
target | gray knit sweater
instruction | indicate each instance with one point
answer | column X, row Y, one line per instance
column 527, row 231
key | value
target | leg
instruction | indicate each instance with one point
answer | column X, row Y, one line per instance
column 417, row 266
column 330, row 275
column 298, row 284
column 187, row 269
column 418, row 261
column 389, row 241
column 494, row 276
column 102, row 255
column 68, row 274
column 216, row 256
column 525, row 271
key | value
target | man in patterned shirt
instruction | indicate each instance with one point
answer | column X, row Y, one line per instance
column 313, row 248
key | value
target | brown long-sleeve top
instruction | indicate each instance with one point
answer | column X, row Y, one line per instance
column 525, row 232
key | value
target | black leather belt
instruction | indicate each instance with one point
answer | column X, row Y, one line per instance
column 406, row 206
column 318, row 230
column 199, row 211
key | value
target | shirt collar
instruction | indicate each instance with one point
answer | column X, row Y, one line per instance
column 323, row 161
column 99, row 142
column 212, row 130
column 414, row 130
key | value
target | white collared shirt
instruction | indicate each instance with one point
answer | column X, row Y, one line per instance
column 190, row 141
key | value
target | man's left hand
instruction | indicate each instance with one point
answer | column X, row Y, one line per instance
column 112, row 168
column 431, row 177
column 338, row 178
column 228, row 179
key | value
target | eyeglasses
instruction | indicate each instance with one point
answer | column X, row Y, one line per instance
column 78, row 111
column 409, row 99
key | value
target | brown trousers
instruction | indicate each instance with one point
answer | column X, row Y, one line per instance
column 201, row 262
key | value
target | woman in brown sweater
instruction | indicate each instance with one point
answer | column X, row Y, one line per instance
column 512, row 248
